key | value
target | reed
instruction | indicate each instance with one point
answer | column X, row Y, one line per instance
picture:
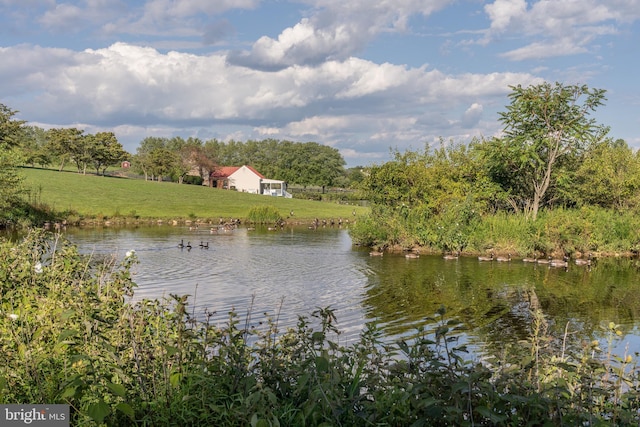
column 264, row 215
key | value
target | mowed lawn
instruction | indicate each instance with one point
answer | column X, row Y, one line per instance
column 107, row 197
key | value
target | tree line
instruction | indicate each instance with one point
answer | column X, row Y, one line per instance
column 306, row 164
column 174, row 159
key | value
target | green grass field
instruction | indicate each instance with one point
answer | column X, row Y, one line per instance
column 102, row 197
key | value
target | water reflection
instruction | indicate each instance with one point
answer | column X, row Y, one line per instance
column 494, row 299
column 306, row 269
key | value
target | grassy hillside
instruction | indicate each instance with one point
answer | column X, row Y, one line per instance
column 91, row 196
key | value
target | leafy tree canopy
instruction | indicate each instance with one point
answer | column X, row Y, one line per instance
column 544, row 126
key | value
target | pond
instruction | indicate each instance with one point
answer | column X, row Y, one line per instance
column 294, row 271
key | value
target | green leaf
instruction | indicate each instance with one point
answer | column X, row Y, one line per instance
column 98, row 411
column 69, row 392
column 117, row 389
column 67, row 314
column 171, row 350
column 488, row 413
column 175, row 379
column 66, row 333
column 322, row 364
column 126, row 409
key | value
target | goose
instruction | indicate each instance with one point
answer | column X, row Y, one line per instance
column 205, row 246
column 582, row 261
column 376, row 253
column 503, row 259
column 486, row 258
column 452, row 256
column 188, row 245
column 181, row 244
column 415, row 254
column 543, row 260
column 201, row 244
column 534, row 259
column 558, row 262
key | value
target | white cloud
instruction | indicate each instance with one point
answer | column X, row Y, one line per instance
column 555, row 28
column 127, row 86
column 335, row 30
column 506, row 14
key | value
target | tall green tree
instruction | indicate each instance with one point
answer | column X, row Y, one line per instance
column 317, row 164
column 69, row 144
column 143, row 161
column 543, row 126
column 33, row 146
column 163, row 162
column 105, row 151
column 10, row 180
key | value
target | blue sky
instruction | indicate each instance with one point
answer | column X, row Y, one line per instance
column 362, row 76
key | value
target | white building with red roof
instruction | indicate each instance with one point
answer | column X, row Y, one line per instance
column 246, row 179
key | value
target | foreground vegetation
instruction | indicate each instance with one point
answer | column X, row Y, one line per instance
column 91, row 198
column 70, row 335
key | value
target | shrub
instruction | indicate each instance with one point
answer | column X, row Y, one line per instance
column 71, row 334
column 193, row 180
column 264, row 215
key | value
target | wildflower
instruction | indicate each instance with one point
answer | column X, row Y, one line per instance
column 130, row 253
column 38, row 267
column 13, row 316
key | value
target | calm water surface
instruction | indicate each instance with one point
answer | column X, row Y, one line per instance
column 296, row 270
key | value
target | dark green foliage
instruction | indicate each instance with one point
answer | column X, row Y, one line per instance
column 70, row 334
column 11, row 189
column 193, row 180
column 301, row 163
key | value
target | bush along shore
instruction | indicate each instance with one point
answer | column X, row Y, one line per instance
column 558, row 232
column 71, row 334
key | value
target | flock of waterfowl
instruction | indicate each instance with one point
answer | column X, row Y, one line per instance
column 550, row 261
column 203, row 245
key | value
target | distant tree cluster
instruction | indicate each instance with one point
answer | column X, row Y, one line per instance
column 70, row 145
column 177, row 159
column 304, row 164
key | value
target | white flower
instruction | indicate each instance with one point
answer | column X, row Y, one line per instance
column 13, row 316
column 130, row 253
column 38, row 267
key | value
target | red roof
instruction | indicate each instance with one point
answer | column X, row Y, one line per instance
column 226, row 171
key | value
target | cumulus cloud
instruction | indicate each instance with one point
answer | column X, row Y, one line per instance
column 130, row 86
column 560, row 28
column 335, row 31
